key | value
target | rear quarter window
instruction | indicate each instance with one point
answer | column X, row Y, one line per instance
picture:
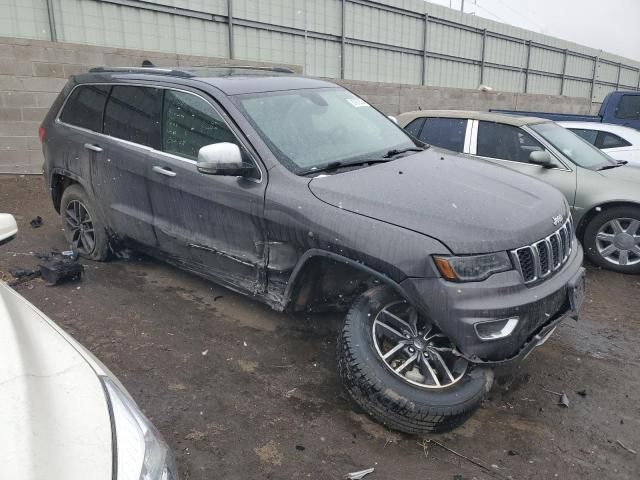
column 85, row 106
column 610, row 140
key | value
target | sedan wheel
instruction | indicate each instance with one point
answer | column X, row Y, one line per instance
column 612, row 239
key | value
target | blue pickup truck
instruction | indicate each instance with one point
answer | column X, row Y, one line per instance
column 620, row 107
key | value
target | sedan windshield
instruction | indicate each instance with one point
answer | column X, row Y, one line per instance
column 312, row 129
column 572, row 146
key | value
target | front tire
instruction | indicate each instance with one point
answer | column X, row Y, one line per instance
column 409, row 397
column 83, row 228
column 612, row 239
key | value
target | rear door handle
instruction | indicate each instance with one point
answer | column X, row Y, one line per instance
column 92, row 147
column 164, row 171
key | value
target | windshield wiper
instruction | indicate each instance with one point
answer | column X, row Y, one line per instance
column 608, row 167
column 394, row 152
column 330, row 167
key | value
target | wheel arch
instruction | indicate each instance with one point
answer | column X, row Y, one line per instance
column 60, row 180
column 314, row 275
column 596, row 209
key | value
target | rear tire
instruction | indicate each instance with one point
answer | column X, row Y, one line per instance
column 388, row 397
column 83, row 228
column 612, row 239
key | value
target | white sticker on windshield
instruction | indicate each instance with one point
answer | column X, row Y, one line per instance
column 357, row 102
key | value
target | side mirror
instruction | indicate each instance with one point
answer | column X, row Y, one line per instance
column 223, row 159
column 8, row 228
column 393, row 119
column 542, row 158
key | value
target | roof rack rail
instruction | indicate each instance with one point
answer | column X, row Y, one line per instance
column 161, row 71
column 187, row 72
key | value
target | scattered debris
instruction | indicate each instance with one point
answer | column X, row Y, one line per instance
column 217, row 297
column 564, row 400
column 477, row 463
column 582, row 393
column 513, row 453
column 360, row 474
column 630, row 450
column 289, row 393
column 204, row 352
column 300, row 448
column 57, row 271
column 22, row 275
column 36, row 222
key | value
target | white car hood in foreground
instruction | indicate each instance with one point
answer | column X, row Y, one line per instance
column 54, row 418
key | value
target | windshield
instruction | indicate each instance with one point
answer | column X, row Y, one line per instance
column 572, row 146
column 308, row 129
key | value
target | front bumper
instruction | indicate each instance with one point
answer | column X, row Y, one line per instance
column 457, row 307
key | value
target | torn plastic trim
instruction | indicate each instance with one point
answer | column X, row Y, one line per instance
column 315, row 253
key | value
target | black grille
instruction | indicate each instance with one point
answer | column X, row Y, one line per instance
column 527, row 266
column 539, row 260
column 543, row 252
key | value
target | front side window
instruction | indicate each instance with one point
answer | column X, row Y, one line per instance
column 572, row 146
column 84, row 107
column 133, row 114
column 506, row 142
column 311, row 128
column 190, row 123
column 446, row 133
column 589, row 135
column 610, row 140
column 629, row 107
column 415, row 126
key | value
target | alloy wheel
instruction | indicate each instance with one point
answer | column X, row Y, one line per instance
column 414, row 350
column 78, row 221
column 618, row 241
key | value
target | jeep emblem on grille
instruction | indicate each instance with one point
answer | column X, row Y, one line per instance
column 557, row 219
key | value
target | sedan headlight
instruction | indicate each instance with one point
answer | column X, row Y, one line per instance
column 472, row 268
column 140, row 451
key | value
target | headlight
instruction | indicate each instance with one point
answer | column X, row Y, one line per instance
column 140, row 451
column 473, row 268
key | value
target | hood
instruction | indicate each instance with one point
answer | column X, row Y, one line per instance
column 470, row 205
column 55, row 419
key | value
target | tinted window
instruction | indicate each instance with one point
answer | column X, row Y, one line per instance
column 609, row 140
column 588, row 135
column 85, row 106
column 629, row 107
column 191, row 123
column 497, row 140
column 445, row 132
column 414, row 127
column 133, row 114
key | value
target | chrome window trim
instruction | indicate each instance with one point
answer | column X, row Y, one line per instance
column 145, row 147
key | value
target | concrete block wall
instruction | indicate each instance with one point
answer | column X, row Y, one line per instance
column 32, row 73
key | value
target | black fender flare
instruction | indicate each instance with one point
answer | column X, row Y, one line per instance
column 319, row 253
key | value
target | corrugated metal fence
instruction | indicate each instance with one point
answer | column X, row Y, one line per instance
column 401, row 41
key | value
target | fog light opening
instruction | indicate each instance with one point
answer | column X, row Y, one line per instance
column 495, row 329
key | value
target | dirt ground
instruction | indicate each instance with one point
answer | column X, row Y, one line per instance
column 242, row 392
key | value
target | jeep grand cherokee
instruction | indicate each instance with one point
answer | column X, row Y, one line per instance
column 297, row 192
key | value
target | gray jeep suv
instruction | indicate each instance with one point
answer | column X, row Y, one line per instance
column 296, row 192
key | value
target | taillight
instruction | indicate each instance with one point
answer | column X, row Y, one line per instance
column 41, row 134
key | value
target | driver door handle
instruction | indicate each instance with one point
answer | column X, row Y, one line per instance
column 164, row 171
column 92, row 147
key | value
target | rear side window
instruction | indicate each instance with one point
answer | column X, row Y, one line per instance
column 414, row 127
column 190, row 123
column 609, row 140
column 589, row 135
column 629, row 107
column 445, row 133
column 498, row 140
column 133, row 114
column 84, row 107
